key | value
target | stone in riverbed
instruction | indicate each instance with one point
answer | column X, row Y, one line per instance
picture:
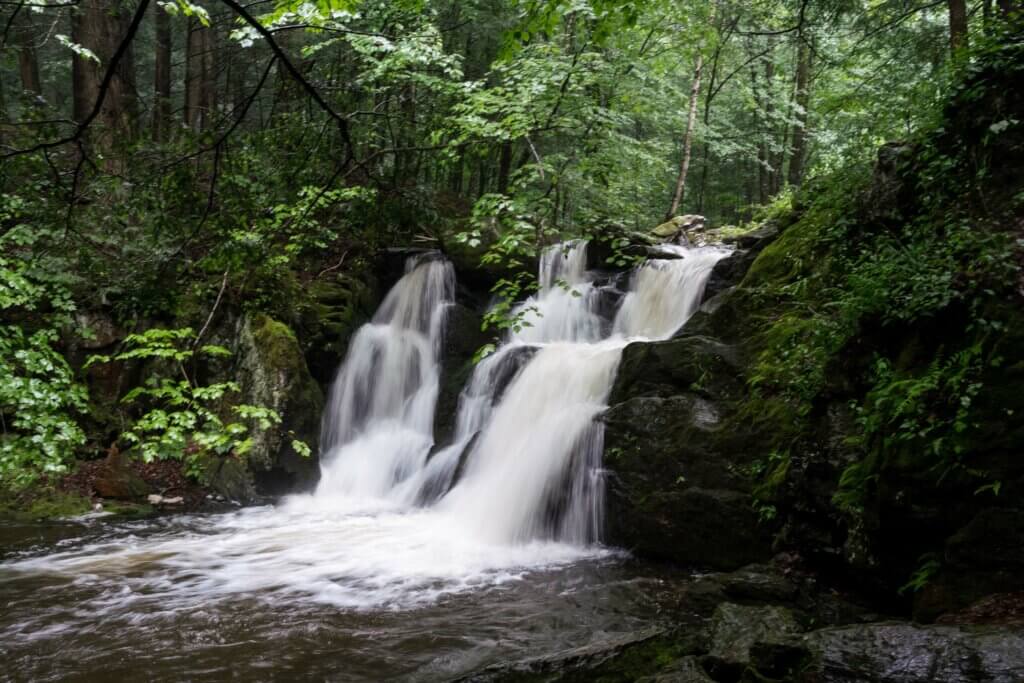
column 671, row 229
column 736, row 628
column 117, row 479
column 897, row 652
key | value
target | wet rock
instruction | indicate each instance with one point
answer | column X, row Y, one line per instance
column 657, row 655
column 730, row 270
column 272, row 372
column 96, row 330
column 462, row 339
column 117, row 479
column 760, row 583
column 335, row 306
column 687, row 363
column 680, row 227
column 685, row 670
column 903, row 653
column 736, row 628
column 228, row 477
column 676, row 460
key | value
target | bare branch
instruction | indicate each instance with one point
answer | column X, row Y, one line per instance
column 108, row 78
column 297, row 75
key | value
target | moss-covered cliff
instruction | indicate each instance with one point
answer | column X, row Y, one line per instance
column 854, row 395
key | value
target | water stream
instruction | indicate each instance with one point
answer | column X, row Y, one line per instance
column 411, row 559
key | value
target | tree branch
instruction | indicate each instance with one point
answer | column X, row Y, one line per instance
column 108, row 78
column 297, row 75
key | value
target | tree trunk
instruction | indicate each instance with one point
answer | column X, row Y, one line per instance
column 1006, row 6
column 957, row 25
column 774, row 154
column 198, row 72
column 162, row 78
column 101, row 28
column 684, row 164
column 504, row 167
column 760, row 105
column 802, row 99
column 28, row 64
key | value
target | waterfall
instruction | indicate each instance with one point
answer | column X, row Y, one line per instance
column 524, row 464
column 377, row 428
column 398, row 521
column 664, row 293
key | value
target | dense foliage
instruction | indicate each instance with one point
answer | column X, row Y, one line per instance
column 282, row 142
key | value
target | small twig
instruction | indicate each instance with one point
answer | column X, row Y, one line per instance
column 540, row 163
column 334, row 267
column 209, row 319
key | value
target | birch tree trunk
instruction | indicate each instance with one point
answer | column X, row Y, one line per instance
column 684, row 164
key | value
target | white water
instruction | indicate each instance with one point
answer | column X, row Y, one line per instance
column 379, row 419
column 520, row 487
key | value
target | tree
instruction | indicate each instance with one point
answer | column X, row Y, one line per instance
column 802, row 100
column 199, row 75
column 101, row 29
column 162, row 76
column 28, row 64
column 691, row 117
column 957, row 25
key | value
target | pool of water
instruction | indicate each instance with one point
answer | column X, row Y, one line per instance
column 282, row 592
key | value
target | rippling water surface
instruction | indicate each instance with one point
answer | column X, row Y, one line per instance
column 285, row 592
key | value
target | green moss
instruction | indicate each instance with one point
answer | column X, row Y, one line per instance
column 128, row 510
column 41, row 503
column 791, row 256
column 276, row 343
column 771, row 484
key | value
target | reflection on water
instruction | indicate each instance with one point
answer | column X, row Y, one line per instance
column 275, row 593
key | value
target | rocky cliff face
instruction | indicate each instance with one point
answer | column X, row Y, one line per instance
column 880, row 442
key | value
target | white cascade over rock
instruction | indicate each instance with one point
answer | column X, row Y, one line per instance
column 398, row 521
column 525, row 462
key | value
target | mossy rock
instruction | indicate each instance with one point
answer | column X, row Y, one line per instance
column 228, row 477
column 657, row 655
column 329, row 313
column 40, row 504
column 272, row 372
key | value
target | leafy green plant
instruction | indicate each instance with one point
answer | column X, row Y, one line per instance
column 183, row 419
column 922, row 576
column 38, row 400
column 39, row 395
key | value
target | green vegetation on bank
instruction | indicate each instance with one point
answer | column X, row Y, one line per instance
column 227, row 220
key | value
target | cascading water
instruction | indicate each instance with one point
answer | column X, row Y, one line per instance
column 390, row 525
column 524, row 465
column 666, row 292
column 377, row 428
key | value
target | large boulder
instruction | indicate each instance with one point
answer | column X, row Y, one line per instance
column 462, row 339
column 680, row 229
column 897, row 652
column 736, row 629
column 116, row 478
column 729, row 271
column 678, row 483
column 272, row 372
